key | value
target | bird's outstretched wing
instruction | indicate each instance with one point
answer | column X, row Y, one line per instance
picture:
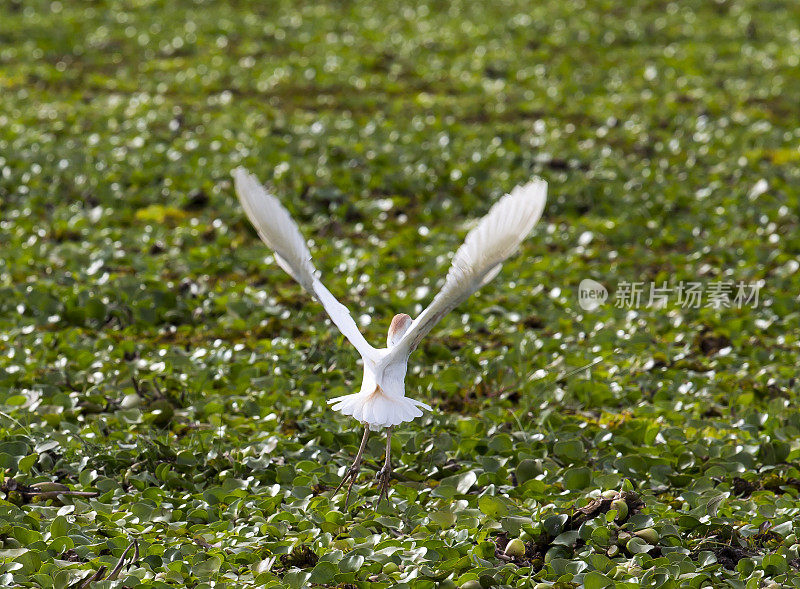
column 479, row 259
column 281, row 234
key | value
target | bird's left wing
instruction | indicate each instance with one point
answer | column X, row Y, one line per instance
column 479, row 259
column 277, row 229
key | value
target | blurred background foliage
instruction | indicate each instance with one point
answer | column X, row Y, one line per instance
column 153, row 356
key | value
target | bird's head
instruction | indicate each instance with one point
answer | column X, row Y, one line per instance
column 400, row 324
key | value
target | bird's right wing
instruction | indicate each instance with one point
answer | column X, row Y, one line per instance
column 277, row 229
column 479, row 259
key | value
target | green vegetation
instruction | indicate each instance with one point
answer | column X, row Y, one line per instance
column 159, row 366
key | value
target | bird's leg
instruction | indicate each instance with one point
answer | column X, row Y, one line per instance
column 352, row 472
column 386, row 472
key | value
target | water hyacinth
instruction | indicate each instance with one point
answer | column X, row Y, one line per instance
column 163, row 383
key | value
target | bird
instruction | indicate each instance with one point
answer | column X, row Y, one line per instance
column 381, row 401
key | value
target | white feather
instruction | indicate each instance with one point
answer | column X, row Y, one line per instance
column 277, row 229
column 478, row 260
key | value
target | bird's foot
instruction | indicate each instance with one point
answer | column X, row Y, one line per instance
column 351, row 474
column 384, row 476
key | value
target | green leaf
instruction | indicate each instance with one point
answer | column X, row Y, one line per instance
column 296, row 579
column 774, row 564
column 208, row 567
column 577, row 478
column 595, row 580
column 444, row 519
column 554, row 524
column 571, row 451
column 59, row 527
column 351, row 564
column 26, row 463
column 323, row 572
column 466, row 481
column 492, row 506
column 26, row 536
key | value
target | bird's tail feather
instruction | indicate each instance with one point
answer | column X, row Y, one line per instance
column 377, row 409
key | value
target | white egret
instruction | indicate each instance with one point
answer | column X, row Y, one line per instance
column 381, row 402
